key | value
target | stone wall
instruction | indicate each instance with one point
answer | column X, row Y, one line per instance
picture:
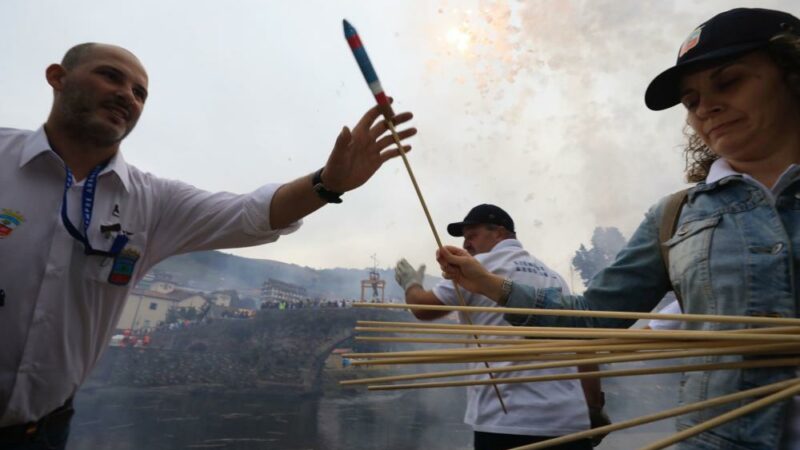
column 277, row 348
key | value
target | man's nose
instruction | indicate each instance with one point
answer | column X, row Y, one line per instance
column 125, row 96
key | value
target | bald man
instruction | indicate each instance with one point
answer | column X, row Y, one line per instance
column 79, row 227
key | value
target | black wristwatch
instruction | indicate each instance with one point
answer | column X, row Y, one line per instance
column 323, row 192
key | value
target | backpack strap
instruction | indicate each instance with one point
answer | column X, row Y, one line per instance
column 669, row 221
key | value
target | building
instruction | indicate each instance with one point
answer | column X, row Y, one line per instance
column 276, row 291
column 224, row 298
column 147, row 308
column 156, row 281
column 197, row 302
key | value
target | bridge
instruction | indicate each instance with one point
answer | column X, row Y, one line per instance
column 276, row 348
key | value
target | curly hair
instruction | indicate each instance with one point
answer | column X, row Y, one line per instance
column 784, row 49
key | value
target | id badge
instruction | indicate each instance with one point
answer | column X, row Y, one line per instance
column 123, row 267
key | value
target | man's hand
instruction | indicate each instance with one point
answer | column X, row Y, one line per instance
column 406, row 276
column 356, row 156
column 359, row 153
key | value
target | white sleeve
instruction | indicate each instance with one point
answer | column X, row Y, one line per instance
column 191, row 219
column 446, row 294
column 672, row 308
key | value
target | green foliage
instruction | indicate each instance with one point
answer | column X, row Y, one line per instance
column 172, row 316
column 180, row 314
column 606, row 243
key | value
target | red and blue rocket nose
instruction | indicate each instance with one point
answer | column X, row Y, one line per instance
column 367, row 70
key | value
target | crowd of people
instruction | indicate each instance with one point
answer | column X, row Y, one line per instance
column 306, row 304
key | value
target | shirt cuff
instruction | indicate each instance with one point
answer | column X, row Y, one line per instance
column 524, row 296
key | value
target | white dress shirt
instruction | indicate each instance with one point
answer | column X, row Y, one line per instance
column 551, row 408
column 61, row 306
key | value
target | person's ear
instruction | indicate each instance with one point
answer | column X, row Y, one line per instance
column 55, row 74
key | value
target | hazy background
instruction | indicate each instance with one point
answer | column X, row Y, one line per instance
column 536, row 106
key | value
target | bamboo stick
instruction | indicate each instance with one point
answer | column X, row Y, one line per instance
column 463, row 341
column 397, row 141
column 685, row 409
column 470, row 328
column 736, row 350
column 772, row 362
column 727, row 417
column 449, row 326
column 597, row 314
column 586, row 359
column 581, row 358
column 523, row 350
column 531, row 343
column 510, row 342
column 467, row 360
column 591, row 333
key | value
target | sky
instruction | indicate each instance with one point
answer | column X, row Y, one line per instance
column 535, row 106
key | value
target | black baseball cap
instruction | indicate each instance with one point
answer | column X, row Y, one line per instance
column 484, row 214
column 724, row 36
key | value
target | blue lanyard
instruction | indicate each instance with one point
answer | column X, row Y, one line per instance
column 87, row 204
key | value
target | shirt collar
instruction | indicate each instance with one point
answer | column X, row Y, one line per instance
column 37, row 143
column 118, row 166
column 721, row 169
column 506, row 243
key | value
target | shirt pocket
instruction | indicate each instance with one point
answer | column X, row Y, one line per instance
column 123, row 269
column 689, row 247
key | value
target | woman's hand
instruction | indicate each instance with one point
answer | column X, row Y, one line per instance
column 461, row 267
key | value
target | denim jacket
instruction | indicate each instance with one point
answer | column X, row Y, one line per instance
column 732, row 253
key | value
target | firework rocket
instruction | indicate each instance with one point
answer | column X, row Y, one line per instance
column 367, row 70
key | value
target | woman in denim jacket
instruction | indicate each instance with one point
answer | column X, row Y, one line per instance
column 735, row 250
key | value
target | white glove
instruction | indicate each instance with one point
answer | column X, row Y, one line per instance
column 406, row 276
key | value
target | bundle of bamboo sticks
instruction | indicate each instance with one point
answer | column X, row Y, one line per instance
column 775, row 343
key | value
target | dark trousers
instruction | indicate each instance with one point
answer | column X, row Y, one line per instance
column 496, row 441
column 49, row 433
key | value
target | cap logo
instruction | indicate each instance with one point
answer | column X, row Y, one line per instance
column 690, row 42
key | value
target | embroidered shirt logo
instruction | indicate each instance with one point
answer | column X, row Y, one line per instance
column 124, row 264
column 9, row 221
column 690, row 42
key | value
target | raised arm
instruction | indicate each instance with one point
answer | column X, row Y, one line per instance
column 636, row 281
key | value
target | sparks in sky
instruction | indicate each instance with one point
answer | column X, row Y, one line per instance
column 459, row 38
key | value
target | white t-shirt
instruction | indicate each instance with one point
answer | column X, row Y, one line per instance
column 550, row 408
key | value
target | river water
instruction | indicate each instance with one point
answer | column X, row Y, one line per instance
column 122, row 418
column 186, row 418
